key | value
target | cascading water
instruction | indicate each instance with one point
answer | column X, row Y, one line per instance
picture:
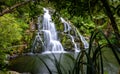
column 47, row 38
column 50, row 35
column 75, row 45
column 67, row 28
column 86, row 45
column 66, row 25
column 47, row 35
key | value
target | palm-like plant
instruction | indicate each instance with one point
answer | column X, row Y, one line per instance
column 90, row 61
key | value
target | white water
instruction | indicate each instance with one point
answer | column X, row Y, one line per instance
column 86, row 45
column 49, row 38
column 66, row 25
column 75, row 45
column 50, row 34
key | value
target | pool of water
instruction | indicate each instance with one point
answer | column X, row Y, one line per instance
column 47, row 62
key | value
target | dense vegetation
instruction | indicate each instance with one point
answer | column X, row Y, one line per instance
column 95, row 19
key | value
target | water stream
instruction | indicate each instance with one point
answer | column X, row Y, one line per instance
column 48, row 37
column 68, row 28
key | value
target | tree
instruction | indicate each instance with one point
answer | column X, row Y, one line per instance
column 110, row 15
column 92, row 8
column 10, row 9
column 11, row 34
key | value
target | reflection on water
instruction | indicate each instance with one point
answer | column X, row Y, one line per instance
column 36, row 63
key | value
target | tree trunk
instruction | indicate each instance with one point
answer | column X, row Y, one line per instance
column 110, row 15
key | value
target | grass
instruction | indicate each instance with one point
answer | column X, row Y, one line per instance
column 93, row 60
column 99, row 58
column 108, row 55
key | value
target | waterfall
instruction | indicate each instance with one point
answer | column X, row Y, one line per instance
column 66, row 29
column 51, row 42
column 86, row 45
column 75, row 45
column 47, row 35
column 66, row 25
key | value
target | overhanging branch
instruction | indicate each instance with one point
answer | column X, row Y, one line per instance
column 10, row 9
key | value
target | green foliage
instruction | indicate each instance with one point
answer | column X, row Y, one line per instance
column 91, row 61
column 11, row 34
column 10, row 31
column 3, row 60
column 32, row 10
column 89, row 14
column 82, row 13
column 85, row 25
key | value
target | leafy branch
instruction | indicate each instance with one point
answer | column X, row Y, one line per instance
column 10, row 9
